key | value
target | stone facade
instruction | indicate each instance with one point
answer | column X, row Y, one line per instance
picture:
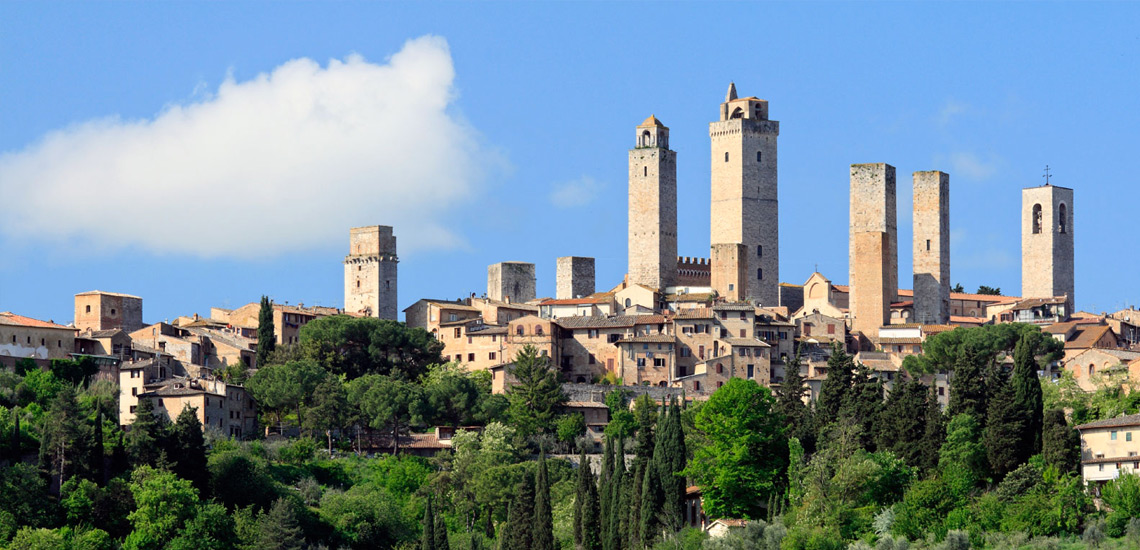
column 730, row 271
column 652, row 207
column 574, row 278
column 35, row 339
column 873, row 258
column 370, row 272
column 511, row 282
column 1047, row 243
column 97, row 310
column 745, row 208
column 931, row 247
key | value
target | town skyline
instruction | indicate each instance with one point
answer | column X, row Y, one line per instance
column 992, row 142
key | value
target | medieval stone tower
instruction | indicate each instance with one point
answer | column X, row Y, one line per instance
column 874, row 258
column 744, row 192
column 1047, row 243
column 511, row 282
column 931, row 247
column 370, row 272
column 574, row 277
column 653, row 207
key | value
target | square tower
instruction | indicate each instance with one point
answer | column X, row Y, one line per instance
column 511, row 282
column 653, row 208
column 98, row 310
column 873, row 256
column 1047, row 243
column 370, row 272
column 931, row 247
column 745, row 208
column 730, row 271
column 575, row 278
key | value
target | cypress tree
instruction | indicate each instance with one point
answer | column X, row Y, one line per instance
column 968, row 390
column 790, row 403
column 864, row 404
column 440, row 534
column 934, row 433
column 1003, row 431
column 833, row 391
column 650, row 507
column 188, row 448
column 266, row 334
column 144, row 437
column 543, row 518
column 580, row 490
column 279, row 529
column 669, row 467
column 427, row 540
column 605, row 475
column 617, row 481
column 645, row 410
column 520, row 520
column 97, row 450
column 591, row 522
column 1027, row 395
column 489, row 526
column 1060, row 443
column 901, row 428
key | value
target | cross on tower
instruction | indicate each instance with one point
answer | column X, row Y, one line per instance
column 1046, row 176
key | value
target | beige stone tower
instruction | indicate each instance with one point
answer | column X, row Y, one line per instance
column 653, row 207
column 730, row 271
column 370, row 272
column 98, row 310
column 574, row 278
column 874, row 256
column 745, row 209
column 1047, row 243
column 931, row 247
column 511, row 282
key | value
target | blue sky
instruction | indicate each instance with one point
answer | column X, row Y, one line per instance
column 155, row 149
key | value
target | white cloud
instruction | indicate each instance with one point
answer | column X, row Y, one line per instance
column 972, row 166
column 579, row 192
column 950, row 110
column 288, row 160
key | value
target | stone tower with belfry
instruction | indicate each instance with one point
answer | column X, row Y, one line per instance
column 745, row 206
column 653, row 207
column 1047, row 243
column 370, row 272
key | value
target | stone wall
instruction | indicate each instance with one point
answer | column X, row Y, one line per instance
column 730, row 271
column 931, row 247
column 874, row 260
column 370, row 273
column 511, row 281
column 107, row 310
column 1047, row 255
column 574, row 278
column 652, row 217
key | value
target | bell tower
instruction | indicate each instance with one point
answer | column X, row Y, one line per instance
column 745, row 206
column 653, row 207
column 1047, row 243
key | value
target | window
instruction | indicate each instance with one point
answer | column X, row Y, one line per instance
column 592, row 333
column 134, row 391
column 759, row 274
column 730, row 287
column 719, row 368
column 659, row 362
column 538, row 330
column 112, row 311
column 941, row 391
column 645, row 171
column 726, row 156
column 88, row 309
column 701, row 352
column 628, row 302
column 830, row 329
column 471, row 357
column 724, row 315
column 133, row 409
column 358, row 283
column 641, row 361
column 696, row 385
column 750, row 370
column 160, row 402
column 743, row 332
column 719, row 384
column 743, row 316
column 807, row 329
column 1062, row 212
column 593, row 360
column 928, row 245
column 491, row 356
column 758, row 157
column 1100, row 467
column 1128, row 436
column 1036, row 219
column 759, row 251
column 1112, row 435
column 458, row 332
column 519, row 330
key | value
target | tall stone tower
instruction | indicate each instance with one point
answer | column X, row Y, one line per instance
column 370, row 272
column 1047, row 243
column 874, row 257
column 931, row 247
column 745, row 209
column 729, row 272
column 574, row 277
column 511, row 282
column 653, row 207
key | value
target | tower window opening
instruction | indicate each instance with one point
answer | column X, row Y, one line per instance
column 760, row 250
column 88, row 309
column 737, row 113
column 1036, row 219
column 1062, row 218
column 388, row 285
column 759, row 273
column 358, row 283
column 726, row 156
column 928, row 245
column 758, row 156
column 645, row 138
column 645, row 171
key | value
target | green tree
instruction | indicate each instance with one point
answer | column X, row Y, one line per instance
column 1122, row 495
column 452, row 398
column 651, row 502
column 328, row 409
column 188, row 449
column 835, row 388
column 901, row 427
column 543, row 537
column 280, row 389
column 746, row 454
column 355, row 346
column 863, row 404
column 1027, row 396
column 238, row 479
column 581, row 488
column 63, row 439
column 605, row 479
column 266, row 332
column 617, row 513
column 962, row 459
column 279, row 529
column 670, row 465
column 934, row 433
column 389, row 403
column 74, row 372
column 989, row 291
column 591, row 522
column 958, row 288
column 441, row 542
column 1004, row 431
column 163, row 504
column 645, row 414
column 1060, row 443
column 212, row 528
column 570, row 427
column 520, row 519
column 536, row 394
column 790, row 403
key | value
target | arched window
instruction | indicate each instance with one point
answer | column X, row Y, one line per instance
column 1091, row 370
column 581, row 380
column 645, row 138
column 519, row 330
column 1036, row 219
column 726, row 156
column 538, row 330
column 628, row 302
column 760, row 250
column 758, row 157
column 719, row 368
column 1062, row 217
column 661, row 383
column 737, row 113
column 759, row 274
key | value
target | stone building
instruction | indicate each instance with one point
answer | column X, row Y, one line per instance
column 1047, row 243
column 511, row 282
column 652, row 207
column 745, row 208
column 574, row 277
column 730, row 271
column 98, row 310
column 287, row 319
column 35, row 339
column 873, row 256
column 931, row 247
column 370, row 272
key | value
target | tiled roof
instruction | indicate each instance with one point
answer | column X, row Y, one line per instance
column 1120, row 421
column 487, row 331
column 649, row 339
column 1087, row 337
column 1036, row 302
column 9, row 318
column 908, row 303
column 576, row 301
column 1122, row 354
column 695, row 313
column 597, row 321
column 120, row 295
column 745, row 342
column 699, row 297
column 1060, row 328
column 584, row 405
column 651, row 121
column 734, row 306
column 649, row 319
column 961, row 319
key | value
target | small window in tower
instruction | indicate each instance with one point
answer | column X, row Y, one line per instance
column 112, row 311
column 760, row 250
column 1036, row 219
column 726, row 156
column 645, row 171
column 758, row 156
column 759, row 273
column 388, row 285
column 1062, row 217
column 928, row 245
column 88, row 309
column 358, row 283
column 730, row 287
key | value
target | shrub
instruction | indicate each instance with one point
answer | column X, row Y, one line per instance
column 1093, row 535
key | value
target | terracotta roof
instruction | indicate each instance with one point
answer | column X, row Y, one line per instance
column 585, row 405
column 649, row 319
column 1060, row 328
column 1035, row 302
column 487, row 331
column 575, row 301
column 908, row 303
column 961, row 319
column 651, row 121
column 692, row 490
column 1120, row 421
column 120, row 295
column 9, row 318
column 697, row 297
column 734, row 306
column 935, row 329
column 695, row 313
column 745, row 342
column 649, row 339
column 596, row 321
column 732, row 522
column 1087, row 337
column 447, row 304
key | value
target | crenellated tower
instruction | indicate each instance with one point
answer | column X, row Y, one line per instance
column 370, row 272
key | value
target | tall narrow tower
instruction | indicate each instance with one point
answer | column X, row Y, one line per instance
column 745, row 209
column 874, row 252
column 653, row 207
column 370, row 272
column 1047, row 243
column 931, row 247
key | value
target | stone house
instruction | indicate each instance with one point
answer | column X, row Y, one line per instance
column 98, row 310
column 647, row 359
column 22, row 337
column 589, row 306
column 1109, row 448
column 428, row 313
